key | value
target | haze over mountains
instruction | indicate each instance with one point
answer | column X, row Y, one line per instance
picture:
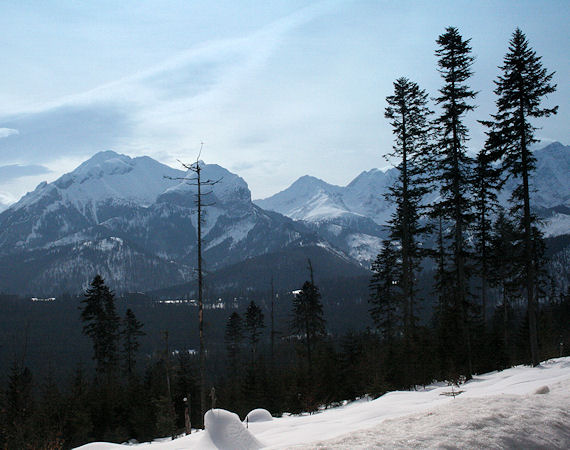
column 120, row 216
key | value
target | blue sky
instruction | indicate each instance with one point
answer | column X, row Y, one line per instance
column 275, row 89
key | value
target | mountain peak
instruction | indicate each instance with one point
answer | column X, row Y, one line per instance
column 228, row 186
column 555, row 148
column 107, row 176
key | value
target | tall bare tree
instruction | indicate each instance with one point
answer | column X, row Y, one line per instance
column 200, row 202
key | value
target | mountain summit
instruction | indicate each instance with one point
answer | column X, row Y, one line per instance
column 124, row 218
column 120, row 217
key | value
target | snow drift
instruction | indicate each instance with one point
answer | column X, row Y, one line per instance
column 521, row 407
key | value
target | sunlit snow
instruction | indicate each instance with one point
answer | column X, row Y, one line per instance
column 521, row 407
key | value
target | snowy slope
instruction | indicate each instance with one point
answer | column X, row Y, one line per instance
column 344, row 215
column 55, row 238
column 349, row 217
column 522, row 407
column 106, row 176
column 313, row 200
column 551, row 181
column 308, row 198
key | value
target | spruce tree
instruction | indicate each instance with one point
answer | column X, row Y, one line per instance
column 18, row 415
column 385, row 294
column 503, row 273
column 132, row 330
column 254, row 325
column 485, row 187
column 233, row 338
column 521, row 89
column 101, row 324
column 409, row 114
column 453, row 171
column 308, row 320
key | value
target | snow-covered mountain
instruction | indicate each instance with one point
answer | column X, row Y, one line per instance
column 551, row 181
column 352, row 216
column 550, row 185
column 121, row 217
column 133, row 220
column 314, row 200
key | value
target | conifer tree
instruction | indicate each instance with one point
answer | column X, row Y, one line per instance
column 254, row 325
column 101, row 324
column 409, row 117
column 17, row 416
column 308, row 319
column 521, row 89
column 233, row 338
column 453, row 171
column 503, row 271
column 385, row 294
column 485, row 186
column 132, row 330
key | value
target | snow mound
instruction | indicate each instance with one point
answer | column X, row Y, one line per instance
column 258, row 415
column 225, row 431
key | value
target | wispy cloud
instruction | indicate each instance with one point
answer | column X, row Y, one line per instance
column 17, row 171
column 166, row 109
column 5, row 132
column 277, row 93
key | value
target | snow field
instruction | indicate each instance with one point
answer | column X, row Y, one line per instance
column 521, row 407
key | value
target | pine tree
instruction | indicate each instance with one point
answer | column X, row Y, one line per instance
column 101, row 324
column 233, row 338
column 503, row 272
column 385, row 294
column 308, row 319
column 485, row 186
column 520, row 90
column 409, row 116
column 132, row 330
column 453, row 169
column 254, row 325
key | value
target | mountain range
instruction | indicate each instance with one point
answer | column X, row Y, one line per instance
column 133, row 221
column 352, row 217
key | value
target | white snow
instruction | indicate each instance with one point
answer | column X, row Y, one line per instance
column 238, row 232
column 521, row 407
column 228, row 187
column 225, row 430
column 557, row 225
column 364, row 247
column 258, row 415
column 107, row 176
column 314, row 200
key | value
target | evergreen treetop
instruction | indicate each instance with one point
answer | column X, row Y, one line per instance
column 101, row 324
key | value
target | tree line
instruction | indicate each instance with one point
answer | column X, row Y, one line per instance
column 478, row 243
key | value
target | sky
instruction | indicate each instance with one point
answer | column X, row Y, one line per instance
column 274, row 89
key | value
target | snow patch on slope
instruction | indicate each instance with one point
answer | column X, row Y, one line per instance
column 236, row 233
column 364, row 247
column 557, row 225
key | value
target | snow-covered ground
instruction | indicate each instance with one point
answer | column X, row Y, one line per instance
column 522, row 407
